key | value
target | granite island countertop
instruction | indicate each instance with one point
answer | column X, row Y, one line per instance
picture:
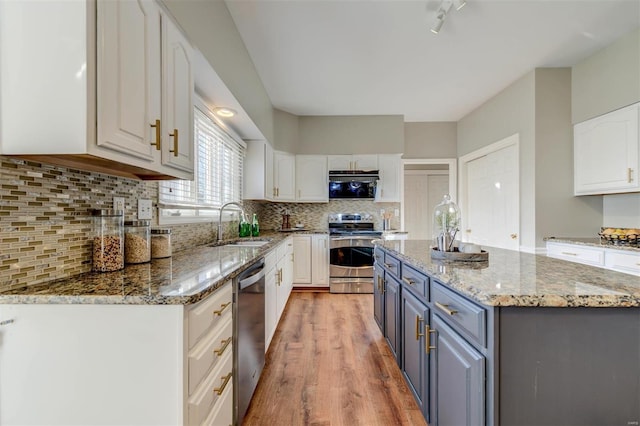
column 185, row 278
column 512, row 278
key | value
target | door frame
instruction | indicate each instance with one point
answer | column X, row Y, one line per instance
column 513, row 140
column 452, row 163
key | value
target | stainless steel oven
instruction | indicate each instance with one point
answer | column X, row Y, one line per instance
column 351, row 253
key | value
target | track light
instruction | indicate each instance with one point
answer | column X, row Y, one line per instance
column 460, row 4
column 445, row 6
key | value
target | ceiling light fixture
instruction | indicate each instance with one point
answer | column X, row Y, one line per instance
column 443, row 10
column 460, row 4
column 224, row 112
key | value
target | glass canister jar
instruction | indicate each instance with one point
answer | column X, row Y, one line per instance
column 446, row 224
column 108, row 240
column 137, row 241
column 160, row 243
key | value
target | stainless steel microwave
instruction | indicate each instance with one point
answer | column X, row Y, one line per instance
column 353, row 184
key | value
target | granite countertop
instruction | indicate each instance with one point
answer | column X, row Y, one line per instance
column 512, row 278
column 187, row 277
column 592, row 242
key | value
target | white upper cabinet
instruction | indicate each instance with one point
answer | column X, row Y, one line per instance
column 353, row 162
column 606, row 156
column 258, row 171
column 284, row 177
column 312, row 178
column 96, row 67
column 388, row 189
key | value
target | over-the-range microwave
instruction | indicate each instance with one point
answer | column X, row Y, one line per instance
column 353, row 184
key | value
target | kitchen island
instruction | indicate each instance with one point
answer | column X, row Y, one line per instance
column 520, row 339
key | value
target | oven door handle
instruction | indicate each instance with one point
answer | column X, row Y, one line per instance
column 354, row 237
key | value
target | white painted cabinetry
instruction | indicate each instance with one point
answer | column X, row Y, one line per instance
column 320, row 260
column 284, row 176
column 388, row 189
column 312, row 178
column 302, row 259
column 625, row 261
column 606, row 154
column 278, row 285
column 258, row 171
column 157, row 364
column 353, row 162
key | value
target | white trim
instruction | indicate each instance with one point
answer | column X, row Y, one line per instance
column 199, row 103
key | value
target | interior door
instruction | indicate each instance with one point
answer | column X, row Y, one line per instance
column 492, row 209
column 423, row 190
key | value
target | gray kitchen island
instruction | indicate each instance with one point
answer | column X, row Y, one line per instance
column 519, row 340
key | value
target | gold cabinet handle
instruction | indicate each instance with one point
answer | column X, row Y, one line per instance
column 222, row 308
column 514, row 236
column 6, row 322
column 292, row 256
column 569, row 253
column 446, row 308
column 629, row 172
column 468, row 230
column 427, row 341
column 225, row 381
column 408, row 281
column 222, row 348
column 274, row 191
column 158, row 133
column 389, row 265
column 175, row 142
column 418, row 321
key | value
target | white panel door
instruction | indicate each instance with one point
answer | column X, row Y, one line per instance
column 177, row 103
column 128, row 77
column 423, row 190
column 492, row 210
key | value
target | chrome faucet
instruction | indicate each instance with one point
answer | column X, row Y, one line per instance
column 220, row 218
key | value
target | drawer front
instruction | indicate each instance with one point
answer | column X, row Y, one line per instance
column 623, row 261
column 415, row 280
column 392, row 265
column 208, row 313
column 222, row 413
column 210, row 393
column 208, row 352
column 462, row 314
column 378, row 255
column 270, row 260
column 573, row 253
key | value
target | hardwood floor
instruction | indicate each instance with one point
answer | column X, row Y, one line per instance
column 328, row 364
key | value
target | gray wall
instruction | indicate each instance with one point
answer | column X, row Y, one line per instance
column 371, row 134
column 286, row 131
column 430, row 140
column 558, row 212
column 209, row 26
column 607, row 80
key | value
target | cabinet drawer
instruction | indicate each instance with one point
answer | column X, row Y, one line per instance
column 465, row 316
column 210, row 393
column 574, row 253
column 392, row 265
column 415, row 280
column 623, row 261
column 209, row 351
column 208, row 313
column 222, row 413
column 378, row 255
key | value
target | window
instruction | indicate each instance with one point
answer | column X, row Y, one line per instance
column 217, row 178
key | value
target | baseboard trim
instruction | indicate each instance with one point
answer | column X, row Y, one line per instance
column 311, row 289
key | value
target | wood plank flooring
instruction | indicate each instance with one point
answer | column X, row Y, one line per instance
column 328, row 364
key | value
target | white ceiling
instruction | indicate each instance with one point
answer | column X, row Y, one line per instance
column 339, row 57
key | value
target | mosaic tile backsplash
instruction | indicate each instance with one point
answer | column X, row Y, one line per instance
column 45, row 229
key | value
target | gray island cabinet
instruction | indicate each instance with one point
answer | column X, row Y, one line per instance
column 518, row 340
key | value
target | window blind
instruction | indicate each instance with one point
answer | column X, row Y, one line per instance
column 218, row 170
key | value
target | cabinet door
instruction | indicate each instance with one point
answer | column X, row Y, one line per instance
column 415, row 362
column 177, row 99
column 339, row 162
column 392, row 315
column 312, row 178
column 128, row 77
column 378, row 297
column 457, row 379
column 606, row 158
column 284, row 176
column 388, row 189
column 270, row 305
column 320, row 260
column 365, row 162
column 302, row 259
column 258, row 171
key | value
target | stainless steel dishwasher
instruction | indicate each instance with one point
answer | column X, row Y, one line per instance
column 249, row 329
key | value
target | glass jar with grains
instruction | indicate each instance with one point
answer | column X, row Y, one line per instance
column 108, row 240
column 137, row 244
column 160, row 243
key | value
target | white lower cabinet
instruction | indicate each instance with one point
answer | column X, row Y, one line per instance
column 302, row 259
column 625, row 261
column 117, row 364
column 278, row 285
column 622, row 261
column 311, row 260
column 320, row 260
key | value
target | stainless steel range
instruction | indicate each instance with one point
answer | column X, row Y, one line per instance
column 351, row 252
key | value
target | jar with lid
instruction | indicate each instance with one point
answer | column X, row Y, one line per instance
column 446, row 224
column 160, row 243
column 108, row 240
column 137, row 242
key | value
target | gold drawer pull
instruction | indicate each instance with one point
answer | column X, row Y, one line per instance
column 569, row 253
column 222, row 308
column 408, row 281
column 427, row 340
column 629, row 172
column 446, row 308
column 223, row 348
column 225, row 380
column 158, row 133
column 418, row 321
column 175, row 142
column 389, row 265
